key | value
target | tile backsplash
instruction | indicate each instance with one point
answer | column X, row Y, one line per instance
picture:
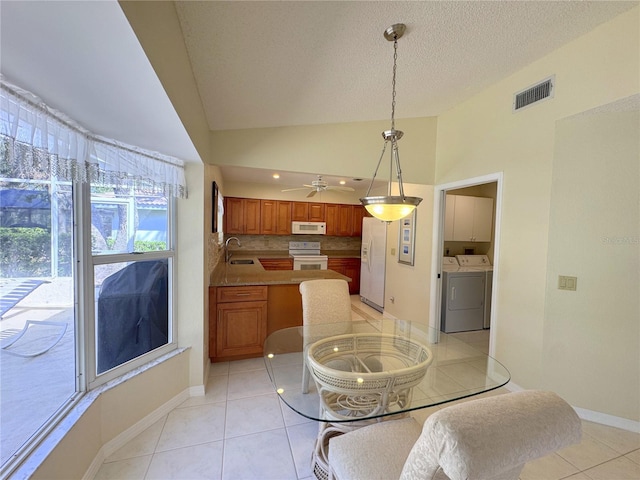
column 281, row 242
column 275, row 243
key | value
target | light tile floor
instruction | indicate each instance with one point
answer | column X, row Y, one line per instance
column 239, row 430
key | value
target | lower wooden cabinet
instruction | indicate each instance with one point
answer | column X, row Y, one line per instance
column 276, row 263
column 350, row 267
column 237, row 322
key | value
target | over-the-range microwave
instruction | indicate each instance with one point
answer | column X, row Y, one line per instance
column 308, row 228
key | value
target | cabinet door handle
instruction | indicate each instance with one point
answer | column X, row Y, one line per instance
column 242, row 294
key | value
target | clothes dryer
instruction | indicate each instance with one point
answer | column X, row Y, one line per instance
column 481, row 262
column 463, row 291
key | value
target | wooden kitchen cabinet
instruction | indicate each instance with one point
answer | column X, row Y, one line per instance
column 237, row 322
column 300, row 211
column 275, row 217
column 251, row 216
column 468, row 219
column 317, row 212
column 339, row 219
column 307, row 212
column 276, row 263
column 359, row 212
column 242, row 216
column 349, row 267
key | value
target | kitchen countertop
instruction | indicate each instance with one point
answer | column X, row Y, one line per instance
column 341, row 253
column 239, row 253
column 227, row 275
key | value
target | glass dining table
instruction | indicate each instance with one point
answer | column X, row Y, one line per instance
column 348, row 375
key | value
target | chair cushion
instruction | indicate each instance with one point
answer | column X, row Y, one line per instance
column 377, row 451
column 493, row 437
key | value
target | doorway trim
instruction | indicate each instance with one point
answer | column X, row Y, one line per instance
column 438, row 246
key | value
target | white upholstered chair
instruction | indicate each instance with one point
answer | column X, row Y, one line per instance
column 490, row 438
column 324, row 301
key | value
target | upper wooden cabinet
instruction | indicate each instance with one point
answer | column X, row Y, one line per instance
column 242, row 216
column 317, row 212
column 307, row 212
column 468, row 219
column 359, row 212
column 344, row 220
column 300, row 211
column 251, row 216
column 275, row 217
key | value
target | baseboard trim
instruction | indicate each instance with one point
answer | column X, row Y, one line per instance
column 609, row 420
column 197, row 391
column 592, row 416
column 134, row 430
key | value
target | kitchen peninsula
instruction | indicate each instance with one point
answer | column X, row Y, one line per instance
column 248, row 302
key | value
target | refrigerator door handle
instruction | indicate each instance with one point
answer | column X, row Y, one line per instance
column 370, row 247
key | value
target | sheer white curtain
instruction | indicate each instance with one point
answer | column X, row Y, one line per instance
column 37, row 140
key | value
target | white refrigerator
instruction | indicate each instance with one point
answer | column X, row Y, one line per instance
column 372, row 257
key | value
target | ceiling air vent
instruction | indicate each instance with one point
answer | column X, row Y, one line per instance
column 534, row 94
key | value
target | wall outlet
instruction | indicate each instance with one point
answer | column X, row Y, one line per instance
column 567, row 283
column 393, row 251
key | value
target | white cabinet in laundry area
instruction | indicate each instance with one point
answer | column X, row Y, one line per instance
column 468, row 219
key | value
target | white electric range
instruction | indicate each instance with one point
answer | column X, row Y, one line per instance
column 307, row 256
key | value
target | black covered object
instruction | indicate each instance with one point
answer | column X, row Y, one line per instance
column 133, row 314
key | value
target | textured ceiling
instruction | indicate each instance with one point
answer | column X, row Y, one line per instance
column 274, row 63
column 264, row 64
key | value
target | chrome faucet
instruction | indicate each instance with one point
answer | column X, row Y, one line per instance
column 227, row 253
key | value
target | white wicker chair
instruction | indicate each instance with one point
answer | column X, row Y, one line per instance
column 324, row 301
column 487, row 439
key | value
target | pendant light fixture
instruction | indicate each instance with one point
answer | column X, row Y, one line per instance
column 390, row 207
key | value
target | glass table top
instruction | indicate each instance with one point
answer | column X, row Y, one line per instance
column 411, row 366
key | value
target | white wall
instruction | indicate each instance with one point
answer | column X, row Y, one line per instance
column 193, row 274
column 594, row 234
column 345, row 149
column 109, row 415
column 261, row 190
column 409, row 285
column 596, row 69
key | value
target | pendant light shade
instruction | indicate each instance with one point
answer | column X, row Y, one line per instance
column 391, row 207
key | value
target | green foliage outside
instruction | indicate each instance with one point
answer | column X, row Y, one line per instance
column 26, row 252
column 149, row 246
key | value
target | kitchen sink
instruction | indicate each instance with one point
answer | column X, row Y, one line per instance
column 241, row 261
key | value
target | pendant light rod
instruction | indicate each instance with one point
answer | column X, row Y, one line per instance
column 389, row 208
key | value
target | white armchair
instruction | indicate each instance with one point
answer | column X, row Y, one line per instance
column 486, row 439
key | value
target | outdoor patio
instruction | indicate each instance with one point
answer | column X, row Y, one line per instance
column 32, row 388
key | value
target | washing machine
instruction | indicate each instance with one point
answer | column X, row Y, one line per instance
column 481, row 262
column 463, row 294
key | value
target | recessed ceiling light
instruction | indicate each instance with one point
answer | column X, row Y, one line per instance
column 276, row 176
column 342, row 182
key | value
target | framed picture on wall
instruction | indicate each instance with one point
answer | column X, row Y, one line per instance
column 214, row 208
column 407, row 239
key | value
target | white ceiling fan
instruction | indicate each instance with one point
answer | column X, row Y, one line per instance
column 320, row 185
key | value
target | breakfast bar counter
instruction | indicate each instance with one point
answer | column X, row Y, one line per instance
column 249, row 300
column 243, row 274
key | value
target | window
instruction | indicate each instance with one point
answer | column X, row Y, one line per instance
column 86, row 264
column 37, row 313
column 132, row 260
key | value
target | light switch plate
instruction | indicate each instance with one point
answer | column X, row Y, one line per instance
column 393, row 251
column 567, row 283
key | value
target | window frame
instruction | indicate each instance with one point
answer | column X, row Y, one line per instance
column 90, row 261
